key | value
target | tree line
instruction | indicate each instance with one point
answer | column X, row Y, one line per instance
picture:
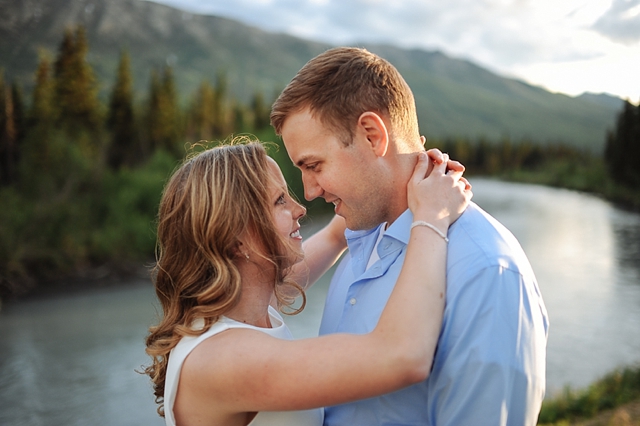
column 120, row 133
column 622, row 150
column 81, row 178
column 613, row 174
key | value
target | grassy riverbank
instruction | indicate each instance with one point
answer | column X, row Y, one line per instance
column 613, row 400
column 587, row 174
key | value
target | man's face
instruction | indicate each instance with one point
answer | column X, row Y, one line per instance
column 344, row 176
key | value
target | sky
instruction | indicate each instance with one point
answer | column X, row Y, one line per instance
column 566, row 46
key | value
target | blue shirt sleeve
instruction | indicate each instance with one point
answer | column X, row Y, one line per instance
column 490, row 363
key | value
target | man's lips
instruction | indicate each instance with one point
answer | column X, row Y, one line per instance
column 336, row 203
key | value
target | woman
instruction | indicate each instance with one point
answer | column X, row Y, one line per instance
column 230, row 251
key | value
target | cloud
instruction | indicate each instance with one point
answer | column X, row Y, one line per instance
column 497, row 33
column 546, row 42
column 621, row 23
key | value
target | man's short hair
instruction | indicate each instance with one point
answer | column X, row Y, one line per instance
column 342, row 83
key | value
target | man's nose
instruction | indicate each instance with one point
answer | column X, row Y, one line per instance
column 311, row 188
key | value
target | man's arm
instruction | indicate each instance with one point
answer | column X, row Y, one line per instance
column 490, row 366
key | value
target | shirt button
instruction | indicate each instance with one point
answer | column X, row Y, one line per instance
column 352, row 301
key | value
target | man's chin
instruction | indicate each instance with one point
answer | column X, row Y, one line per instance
column 355, row 222
column 356, row 225
column 361, row 224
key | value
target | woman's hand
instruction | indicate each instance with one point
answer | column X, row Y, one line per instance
column 437, row 157
column 437, row 191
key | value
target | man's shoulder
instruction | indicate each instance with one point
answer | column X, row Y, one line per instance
column 477, row 226
column 478, row 240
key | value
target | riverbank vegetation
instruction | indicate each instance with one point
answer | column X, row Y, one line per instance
column 613, row 400
column 613, row 175
column 81, row 177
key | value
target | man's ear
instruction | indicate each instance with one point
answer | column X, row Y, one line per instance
column 372, row 128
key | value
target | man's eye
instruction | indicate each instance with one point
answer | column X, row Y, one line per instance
column 311, row 167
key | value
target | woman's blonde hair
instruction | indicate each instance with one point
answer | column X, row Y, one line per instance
column 213, row 198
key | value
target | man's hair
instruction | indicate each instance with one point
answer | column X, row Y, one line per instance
column 342, row 83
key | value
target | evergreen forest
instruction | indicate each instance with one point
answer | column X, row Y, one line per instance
column 81, row 176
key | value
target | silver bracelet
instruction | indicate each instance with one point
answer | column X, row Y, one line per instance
column 428, row 225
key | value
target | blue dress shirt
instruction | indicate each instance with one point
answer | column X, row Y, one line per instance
column 489, row 367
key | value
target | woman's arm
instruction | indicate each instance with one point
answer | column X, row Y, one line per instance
column 321, row 251
column 244, row 370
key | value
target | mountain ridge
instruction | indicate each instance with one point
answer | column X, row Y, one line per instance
column 454, row 97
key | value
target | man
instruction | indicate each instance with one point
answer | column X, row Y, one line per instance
column 348, row 121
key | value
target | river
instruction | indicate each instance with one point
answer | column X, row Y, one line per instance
column 71, row 359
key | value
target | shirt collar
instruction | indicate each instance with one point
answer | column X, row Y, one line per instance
column 353, row 236
column 400, row 230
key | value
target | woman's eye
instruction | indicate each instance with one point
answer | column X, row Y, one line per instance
column 281, row 200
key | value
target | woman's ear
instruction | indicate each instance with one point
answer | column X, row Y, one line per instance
column 241, row 251
column 371, row 128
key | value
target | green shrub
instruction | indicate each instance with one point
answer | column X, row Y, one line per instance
column 613, row 390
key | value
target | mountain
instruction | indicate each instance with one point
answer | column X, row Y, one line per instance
column 454, row 97
column 603, row 99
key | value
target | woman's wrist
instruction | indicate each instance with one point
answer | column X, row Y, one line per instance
column 431, row 227
column 442, row 223
column 440, row 220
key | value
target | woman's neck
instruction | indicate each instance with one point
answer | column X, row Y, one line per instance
column 257, row 294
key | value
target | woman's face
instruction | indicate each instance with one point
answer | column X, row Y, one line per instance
column 286, row 211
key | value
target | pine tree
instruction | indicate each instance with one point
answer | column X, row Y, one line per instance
column 18, row 128
column 41, row 120
column 171, row 113
column 42, row 112
column 124, row 147
column 201, row 116
column 5, row 130
column 163, row 115
column 622, row 151
column 260, row 112
column 239, row 113
column 76, row 94
column 11, row 132
column 153, row 114
column 222, row 123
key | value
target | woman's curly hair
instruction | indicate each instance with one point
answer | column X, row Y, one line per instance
column 213, row 198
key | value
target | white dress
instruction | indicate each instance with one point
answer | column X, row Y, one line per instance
column 264, row 418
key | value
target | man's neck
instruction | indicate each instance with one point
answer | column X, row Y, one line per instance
column 404, row 166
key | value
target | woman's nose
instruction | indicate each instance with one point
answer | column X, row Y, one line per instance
column 302, row 210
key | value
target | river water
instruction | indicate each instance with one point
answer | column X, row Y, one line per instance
column 71, row 359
